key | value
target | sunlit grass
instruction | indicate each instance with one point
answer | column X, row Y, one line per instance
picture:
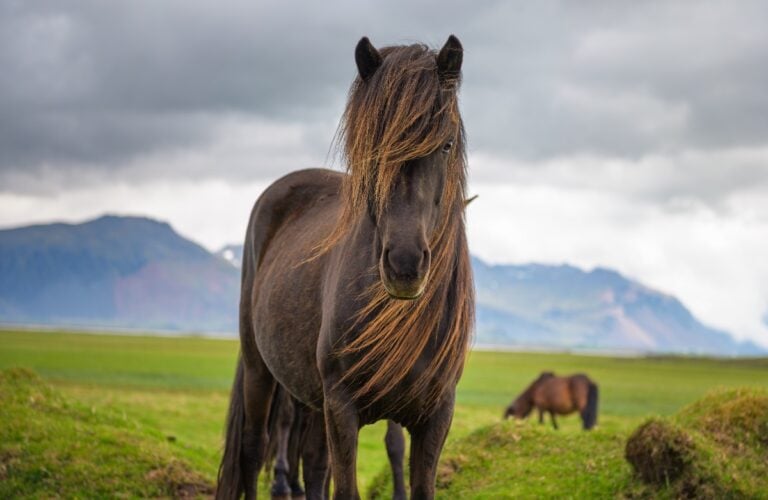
column 178, row 388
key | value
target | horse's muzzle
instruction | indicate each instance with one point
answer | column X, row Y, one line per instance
column 404, row 274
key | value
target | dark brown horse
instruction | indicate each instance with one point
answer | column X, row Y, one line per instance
column 558, row 395
column 357, row 293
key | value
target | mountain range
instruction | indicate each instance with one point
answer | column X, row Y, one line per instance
column 542, row 305
column 138, row 273
column 126, row 272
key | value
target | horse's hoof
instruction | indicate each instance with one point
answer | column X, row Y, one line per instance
column 280, row 493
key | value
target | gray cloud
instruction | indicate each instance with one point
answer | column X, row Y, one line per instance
column 103, row 89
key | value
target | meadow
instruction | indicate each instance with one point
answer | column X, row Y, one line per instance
column 162, row 400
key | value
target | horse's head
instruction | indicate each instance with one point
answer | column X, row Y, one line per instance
column 520, row 408
column 404, row 144
column 408, row 221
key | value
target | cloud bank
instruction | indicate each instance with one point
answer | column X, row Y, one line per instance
column 624, row 134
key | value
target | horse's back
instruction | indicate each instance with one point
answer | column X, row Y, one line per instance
column 290, row 199
column 552, row 394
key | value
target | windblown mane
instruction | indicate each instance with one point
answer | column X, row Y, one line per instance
column 404, row 111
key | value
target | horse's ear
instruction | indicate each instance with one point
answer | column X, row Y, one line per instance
column 449, row 59
column 367, row 58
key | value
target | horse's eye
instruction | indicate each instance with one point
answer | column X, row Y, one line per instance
column 447, row 146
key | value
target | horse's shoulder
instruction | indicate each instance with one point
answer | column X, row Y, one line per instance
column 287, row 199
column 294, row 192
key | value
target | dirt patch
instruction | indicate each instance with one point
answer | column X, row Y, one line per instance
column 447, row 468
column 178, row 481
column 659, row 453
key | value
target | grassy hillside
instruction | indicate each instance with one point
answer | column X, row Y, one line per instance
column 175, row 391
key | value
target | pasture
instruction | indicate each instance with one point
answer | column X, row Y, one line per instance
column 173, row 393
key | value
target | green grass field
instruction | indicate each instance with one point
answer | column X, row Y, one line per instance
column 173, row 392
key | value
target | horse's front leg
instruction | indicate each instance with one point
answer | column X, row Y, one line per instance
column 342, row 427
column 427, row 440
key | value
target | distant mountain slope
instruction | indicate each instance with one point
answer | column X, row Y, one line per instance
column 546, row 306
column 232, row 254
column 127, row 272
column 538, row 305
column 133, row 272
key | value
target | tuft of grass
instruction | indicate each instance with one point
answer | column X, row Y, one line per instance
column 714, row 448
column 51, row 446
column 660, row 452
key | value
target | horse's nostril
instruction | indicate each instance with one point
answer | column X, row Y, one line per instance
column 405, row 263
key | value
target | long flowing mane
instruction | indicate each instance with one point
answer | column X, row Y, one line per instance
column 404, row 111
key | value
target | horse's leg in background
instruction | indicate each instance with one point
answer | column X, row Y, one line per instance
column 314, row 454
column 281, row 488
column 541, row 416
column 427, row 441
column 395, row 443
column 554, row 422
column 294, row 451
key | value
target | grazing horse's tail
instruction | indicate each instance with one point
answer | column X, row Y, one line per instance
column 230, row 478
column 589, row 414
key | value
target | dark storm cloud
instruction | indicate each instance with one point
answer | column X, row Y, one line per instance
column 99, row 85
column 101, row 82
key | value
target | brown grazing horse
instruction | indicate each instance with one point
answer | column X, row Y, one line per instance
column 357, row 292
column 558, row 395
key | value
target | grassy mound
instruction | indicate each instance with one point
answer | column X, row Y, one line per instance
column 716, row 447
column 511, row 459
column 54, row 447
column 660, row 452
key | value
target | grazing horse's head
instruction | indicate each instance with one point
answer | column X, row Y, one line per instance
column 404, row 146
column 520, row 408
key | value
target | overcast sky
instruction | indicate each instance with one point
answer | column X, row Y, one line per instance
column 632, row 135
